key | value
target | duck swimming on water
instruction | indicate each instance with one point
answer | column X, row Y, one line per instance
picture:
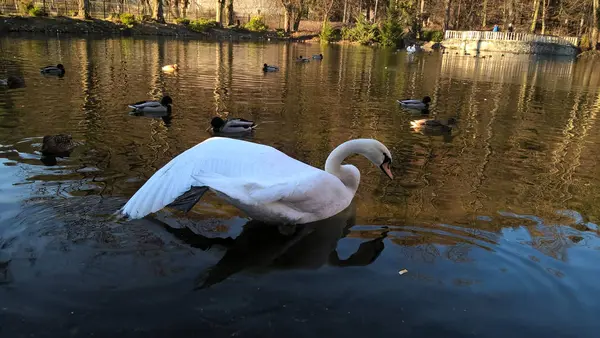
column 162, row 106
column 267, row 68
column 416, row 104
column 53, row 70
column 231, row 126
column 57, row 144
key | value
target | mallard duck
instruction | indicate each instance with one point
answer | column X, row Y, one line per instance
column 416, row 104
column 426, row 125
column 231, row 126
column 318, row 57
column 162, row 106
column 302, row 59
column 57, row 144
column 267, row 68
column 12, row 82
column 170, row 68
column 53, row 70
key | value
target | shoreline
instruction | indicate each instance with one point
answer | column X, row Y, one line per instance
column 106, row 28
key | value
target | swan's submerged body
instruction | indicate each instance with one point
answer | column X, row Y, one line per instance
column 260, row 180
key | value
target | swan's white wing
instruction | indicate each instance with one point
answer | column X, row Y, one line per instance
column 249, row 173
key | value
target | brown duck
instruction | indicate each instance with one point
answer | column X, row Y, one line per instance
column 57, row 144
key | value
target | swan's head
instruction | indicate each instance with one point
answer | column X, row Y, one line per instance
column 166, row 100
column 426, row 99
column 372, row 149
column 378, row 154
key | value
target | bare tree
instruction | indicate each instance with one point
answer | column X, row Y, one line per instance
column 536, row 11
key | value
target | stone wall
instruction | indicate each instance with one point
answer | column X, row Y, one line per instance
column 517, row 47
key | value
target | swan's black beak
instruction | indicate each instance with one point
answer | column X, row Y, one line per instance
column 385, row 167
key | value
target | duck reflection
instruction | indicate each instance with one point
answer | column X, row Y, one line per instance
column 166, row 116
column 263, row 248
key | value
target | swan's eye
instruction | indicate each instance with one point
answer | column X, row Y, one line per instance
column 386, row 159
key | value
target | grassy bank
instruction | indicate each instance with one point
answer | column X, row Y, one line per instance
column 128, row 25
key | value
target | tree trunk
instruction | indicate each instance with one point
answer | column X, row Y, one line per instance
column 230, row 13
column 297, row 19
column 175, row 11
column 184, row 8
column 158, row 13
column 580, row 30
column 344, row 18
column 83, row 9
column 457, row 24
column 421, row 13
column 287, row 19
column 219, row 13
column 375, row 12
column 595, row 24
column 536, row 11
column 484, row 20
column 544, row 4
column 447, row 15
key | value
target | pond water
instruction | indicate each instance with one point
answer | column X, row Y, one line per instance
column 496, row 222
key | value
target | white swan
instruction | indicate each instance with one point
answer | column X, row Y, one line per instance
column 263, row 182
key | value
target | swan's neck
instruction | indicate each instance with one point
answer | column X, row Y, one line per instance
column 348, row 174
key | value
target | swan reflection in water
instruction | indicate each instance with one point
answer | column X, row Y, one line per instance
column 262, row 248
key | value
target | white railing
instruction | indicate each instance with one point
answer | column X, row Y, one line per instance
column 506, row 36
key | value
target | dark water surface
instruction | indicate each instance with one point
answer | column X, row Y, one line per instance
column 496, row 223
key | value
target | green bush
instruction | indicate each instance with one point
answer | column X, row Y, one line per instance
column 127, row 19
column 327, row 33
column 280, row 32
column 183, row 21
column 202, row 25
column 27, row 7
column 257, row 24
column 435, row 36
column 363, row 32
column 584, row 43
column 37, row 11
column 391, row 31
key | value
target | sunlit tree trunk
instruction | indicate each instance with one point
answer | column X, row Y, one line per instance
column 158, row 13
column 230, row 13
column 595, row 24
column 344, row 18
column 421, row 13
column 544, row 5
column 219, row 12
column 484, row 19
column 84, row 9
column 288, row 16
column 536, row 11
column 375, row 12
